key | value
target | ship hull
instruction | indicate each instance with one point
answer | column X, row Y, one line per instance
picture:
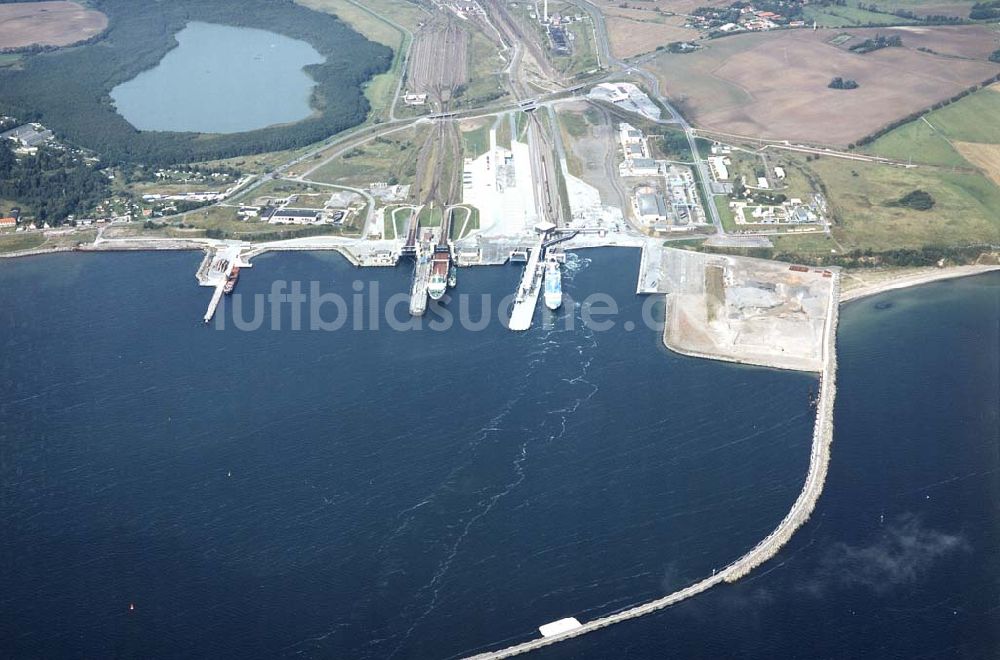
column 553, row 286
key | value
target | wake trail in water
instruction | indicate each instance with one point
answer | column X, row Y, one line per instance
column 549, row 341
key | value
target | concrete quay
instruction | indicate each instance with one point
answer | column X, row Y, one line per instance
column 216, row 269
column 819, row 460
column 421, row 276
column 530, row 286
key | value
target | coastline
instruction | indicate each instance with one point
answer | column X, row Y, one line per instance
column 911, row 279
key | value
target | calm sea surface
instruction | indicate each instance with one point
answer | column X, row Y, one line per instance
column 373, row 494
column 221, row 79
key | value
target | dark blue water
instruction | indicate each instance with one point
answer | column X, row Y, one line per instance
column 902, row 557
column 420, row 494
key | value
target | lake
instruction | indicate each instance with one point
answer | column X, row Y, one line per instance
column 221, row 79
column 375, row 493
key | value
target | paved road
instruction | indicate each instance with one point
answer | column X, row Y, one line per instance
column 653, row 83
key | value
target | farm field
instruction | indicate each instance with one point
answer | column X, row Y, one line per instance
column 984, row 156
column 835, row 16
column 956, row 135
column 639, row 28
column 774, row 85
column 48, row 24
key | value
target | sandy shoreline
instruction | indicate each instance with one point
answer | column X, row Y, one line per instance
column 914, row 279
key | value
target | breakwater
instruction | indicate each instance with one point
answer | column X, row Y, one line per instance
column 819, row 460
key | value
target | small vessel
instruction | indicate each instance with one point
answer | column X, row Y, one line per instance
column 438, row 282
column 231, row 282
column 452, row 276
column 553, row 284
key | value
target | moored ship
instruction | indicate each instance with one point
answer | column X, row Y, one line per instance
column 438, row 282
column 231, row 281
column 553, row 284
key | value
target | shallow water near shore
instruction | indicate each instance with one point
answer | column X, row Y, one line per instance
column 396, row 494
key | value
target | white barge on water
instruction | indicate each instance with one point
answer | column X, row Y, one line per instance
column 553, row 283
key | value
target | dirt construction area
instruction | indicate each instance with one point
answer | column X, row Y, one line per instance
column 745, row 310
column 439, row 61
column 47, row 24
column 774, row 85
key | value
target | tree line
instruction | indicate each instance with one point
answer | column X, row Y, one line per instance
column 913, row 116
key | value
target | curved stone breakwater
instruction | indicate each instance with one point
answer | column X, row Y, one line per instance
column 819, row 461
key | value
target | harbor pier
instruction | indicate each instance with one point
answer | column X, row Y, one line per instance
column 530, row 286
column 220, row 269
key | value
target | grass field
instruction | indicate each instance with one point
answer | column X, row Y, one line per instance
column 15, row 242
column 917, row 142
column 391, row 158
column 279, row 188
column 726, row 213
column 11, row 242
column 224, row 219
column 975, row 118
column 475, row 137
column 485, row 81
column 430, row 217
column 834, row 16
column 965, row 210
column 957, row 135
column 469, row 224
column 256, row 163
column 400, row 218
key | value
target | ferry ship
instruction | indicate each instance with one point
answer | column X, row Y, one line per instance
column 553, row 284
column 438, row 282
column 231, row 282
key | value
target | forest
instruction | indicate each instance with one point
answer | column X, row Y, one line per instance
column 68, row 90
column 52, row 184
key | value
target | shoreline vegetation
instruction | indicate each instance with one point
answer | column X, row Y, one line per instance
column 69, row 90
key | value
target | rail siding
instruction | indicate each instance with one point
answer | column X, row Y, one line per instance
column 819, row 461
